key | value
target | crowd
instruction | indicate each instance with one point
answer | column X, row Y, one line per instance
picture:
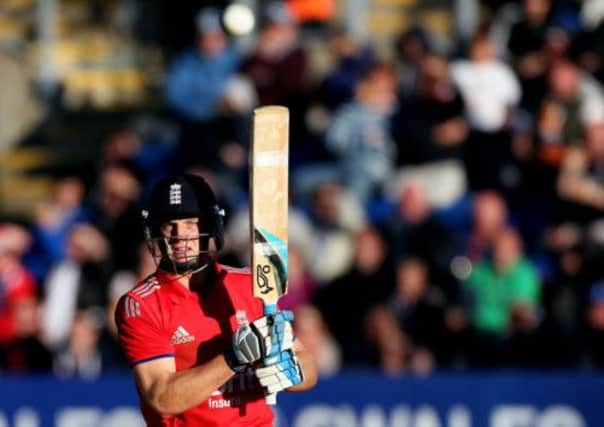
column 446, row 205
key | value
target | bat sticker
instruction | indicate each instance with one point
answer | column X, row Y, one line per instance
column 275, row 251
column 262, row 279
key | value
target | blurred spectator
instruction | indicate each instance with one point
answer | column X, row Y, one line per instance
column 382, row 332
column 53, row 221
column 489, row 218
column 21, row 350
column 573, row 100
column 278, row 66
column 203, row 88
column 17, row 283
column 504, row 297
column 311, row 330
column 411, row 48
column 25, row 353
column 367, row 283
column 415, row 232
column 526, row 46
column 491, row 93
column 359, row 137
column 577, row 237
column 78, row 282
column 429, row 124
column 148, row 148
column 81, row 358
column 198, row 77
column 114, row 210
column 589, row 45
column 351, row 61
column 566, row 277
column 443, row 183
column 335, row 217
column 581, row 178
column 417, row 310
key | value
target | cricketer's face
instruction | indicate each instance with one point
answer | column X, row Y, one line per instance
column 182, row 238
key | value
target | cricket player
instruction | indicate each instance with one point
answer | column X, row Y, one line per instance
column 192, row 332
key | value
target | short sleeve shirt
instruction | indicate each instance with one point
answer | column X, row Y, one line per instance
column 161, row 318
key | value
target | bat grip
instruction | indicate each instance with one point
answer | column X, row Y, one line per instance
column 270, row 399
column 270, row 309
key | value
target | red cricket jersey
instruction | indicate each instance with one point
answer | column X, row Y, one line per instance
column 161, row 318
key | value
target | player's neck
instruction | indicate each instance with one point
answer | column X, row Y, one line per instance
column 196, row 280
column 185, row 280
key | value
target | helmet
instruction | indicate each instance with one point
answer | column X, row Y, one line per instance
column 178, row 197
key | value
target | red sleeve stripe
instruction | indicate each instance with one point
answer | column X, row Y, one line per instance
column 148, row 359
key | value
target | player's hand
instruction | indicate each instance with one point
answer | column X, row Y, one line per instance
column 265, row 337
column 284, row 373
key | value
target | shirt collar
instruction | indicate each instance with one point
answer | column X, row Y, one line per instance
column 174, row 288
column 170, row 283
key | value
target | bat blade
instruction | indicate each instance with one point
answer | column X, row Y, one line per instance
column 269, row 207
column 269, row 203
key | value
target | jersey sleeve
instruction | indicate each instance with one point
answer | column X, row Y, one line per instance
column 141, row 336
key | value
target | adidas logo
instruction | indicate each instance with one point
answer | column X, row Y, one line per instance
column 181, row 336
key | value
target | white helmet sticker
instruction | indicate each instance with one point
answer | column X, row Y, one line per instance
column 175, row 194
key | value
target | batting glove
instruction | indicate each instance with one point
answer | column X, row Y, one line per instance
column 265, row 337
column 284, row 373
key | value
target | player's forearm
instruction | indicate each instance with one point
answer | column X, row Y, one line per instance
column 186, row 389
column 309, row 371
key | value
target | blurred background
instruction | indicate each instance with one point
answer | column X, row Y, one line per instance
column 447, row 197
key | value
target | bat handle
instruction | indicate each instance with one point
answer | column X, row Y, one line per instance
column 270, row 399
column 270, row 309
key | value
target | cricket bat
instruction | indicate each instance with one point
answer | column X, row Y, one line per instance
column 269, row 206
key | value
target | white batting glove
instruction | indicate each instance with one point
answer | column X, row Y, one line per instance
column 265, row 337
column 284, row 373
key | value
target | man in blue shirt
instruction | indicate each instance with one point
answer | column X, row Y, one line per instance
column 198, row 77
column 196, row 88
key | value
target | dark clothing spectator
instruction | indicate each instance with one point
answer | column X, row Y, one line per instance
column 527, row 49
column 25, row 355
column 338, row 86
column 422, row 321
column 416, row 126
column 347, row 321
column 527, row 38
column 429, row 241
column 278, row 68
column 278, row 80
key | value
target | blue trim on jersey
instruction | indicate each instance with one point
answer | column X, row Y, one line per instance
column 148, row 359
